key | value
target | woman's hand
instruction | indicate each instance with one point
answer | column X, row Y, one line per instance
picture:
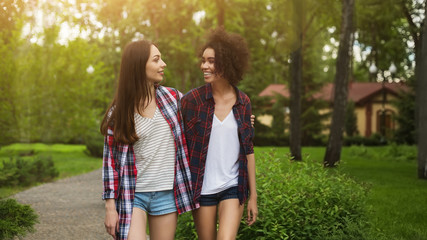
column 252, row 120
column 252, row 210
column 111, row 218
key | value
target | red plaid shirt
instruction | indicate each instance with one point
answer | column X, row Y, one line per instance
column 198, row 109
column 119, row 170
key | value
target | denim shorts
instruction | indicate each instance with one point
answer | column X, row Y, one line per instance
column 155, row 203
column 214, row 199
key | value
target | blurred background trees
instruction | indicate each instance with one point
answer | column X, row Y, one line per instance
column 60, row 59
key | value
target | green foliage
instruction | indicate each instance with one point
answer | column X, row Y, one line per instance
column 278, row 112
column 405, row 133
column 389, row 153
column 350, row 120
column 64, row 102
column 400, row 152
column 302, row 200
column 268, row 140
column 185, row 229
column 16, row 219
column 22, row 172
column 69, row 160
column 95, row 145
column 312, row 125
column 11, row 23
column 374, row 140
column 384, row 34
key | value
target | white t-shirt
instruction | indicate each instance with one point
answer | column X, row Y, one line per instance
column 154, row 153
column 222, row 166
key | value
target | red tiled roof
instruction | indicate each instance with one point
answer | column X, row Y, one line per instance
column 357, row 92
column 271, row 89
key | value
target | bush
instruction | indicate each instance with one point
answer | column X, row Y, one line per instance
column 373, row 140
column 95, row 145
column 400, row 152
column 16, row 219
column 185, row 229
column 406, row 131
column 260, row 140
column 301, row 200
column 21, row 172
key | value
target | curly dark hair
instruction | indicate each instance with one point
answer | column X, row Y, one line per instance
column 231, row 54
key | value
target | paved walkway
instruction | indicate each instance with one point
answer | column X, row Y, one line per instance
column 70, row 208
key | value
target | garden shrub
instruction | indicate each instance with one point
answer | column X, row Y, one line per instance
column 16, row 219
column 185, row 229
column 260, row 140
column 301, row 200
column 358, row 151
column 25, row 172
column 400, row 152
column 95, row 145
column 373, row 140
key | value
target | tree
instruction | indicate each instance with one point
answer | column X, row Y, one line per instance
column 299, row 32
column 221, row 12
column 384, row 34
column 422, row 107
column 333, row 150
column 405, row 134
column 11, row 18
column 296, row 84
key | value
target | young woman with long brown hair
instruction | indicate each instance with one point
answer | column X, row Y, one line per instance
column 145, row 164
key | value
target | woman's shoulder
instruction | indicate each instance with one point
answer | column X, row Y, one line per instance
column 164, row 88
column 195, row 94
column 243, row 96
column 169, row 90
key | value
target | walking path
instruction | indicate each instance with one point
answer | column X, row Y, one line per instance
column 69, row 208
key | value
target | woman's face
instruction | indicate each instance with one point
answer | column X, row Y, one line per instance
column 208, row 65
column 155, row 66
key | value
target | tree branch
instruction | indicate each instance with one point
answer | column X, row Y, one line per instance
column 412, row 26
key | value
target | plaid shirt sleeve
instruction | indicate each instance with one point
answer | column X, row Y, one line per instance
column 110, row 174
column 248, row 130
column 168, row 101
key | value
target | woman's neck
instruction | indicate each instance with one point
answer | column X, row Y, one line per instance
column 147, row 102
column 152, row 90
column 221, row 88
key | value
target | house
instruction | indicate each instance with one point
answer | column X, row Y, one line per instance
column 373, row 104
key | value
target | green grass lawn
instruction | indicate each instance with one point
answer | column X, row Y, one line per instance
column 397, row 197
column 70, row 160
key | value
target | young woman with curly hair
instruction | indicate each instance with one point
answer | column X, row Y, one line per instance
column 217, row 120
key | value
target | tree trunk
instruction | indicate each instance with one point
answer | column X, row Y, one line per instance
column 295, row 104
column 296, row 85
column 421, row 79
column 333, row 150
column 221, row 12
column 418, row 43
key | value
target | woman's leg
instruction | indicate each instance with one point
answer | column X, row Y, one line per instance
column 138, row 225
column 205, row 221
column 162, row 226
column 230, row 214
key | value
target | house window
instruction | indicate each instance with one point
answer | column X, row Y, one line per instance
column 385, row 123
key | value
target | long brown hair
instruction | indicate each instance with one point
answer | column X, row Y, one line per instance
column 132, row 90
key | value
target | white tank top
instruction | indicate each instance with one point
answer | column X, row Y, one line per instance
column 222, row 166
